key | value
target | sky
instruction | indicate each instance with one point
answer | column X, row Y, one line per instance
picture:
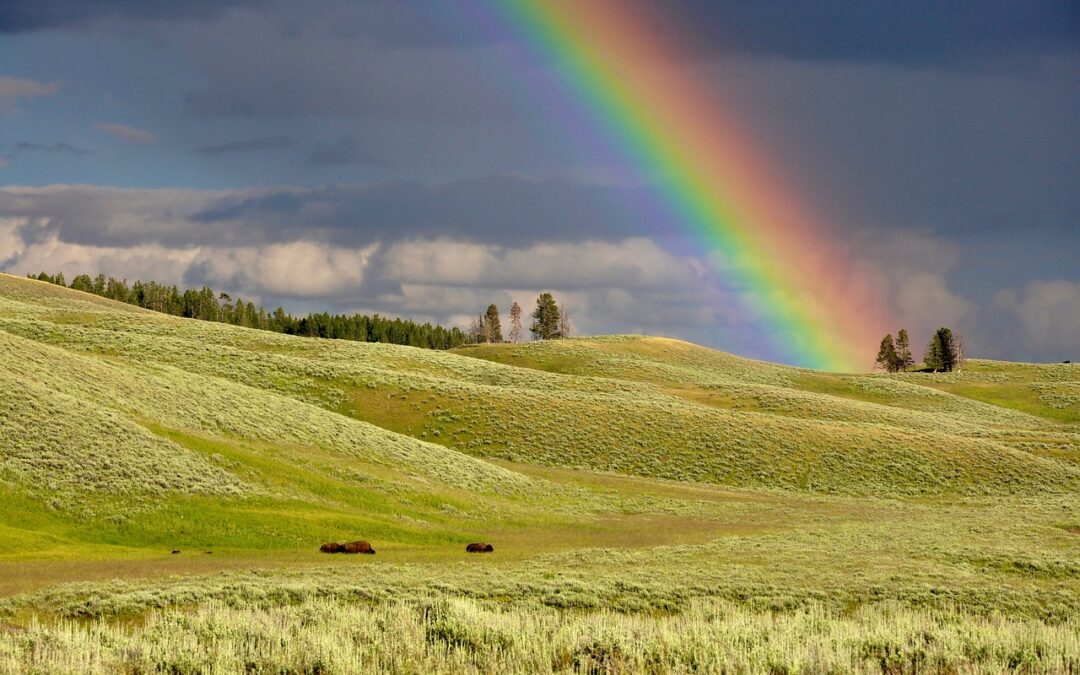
column 406, row 159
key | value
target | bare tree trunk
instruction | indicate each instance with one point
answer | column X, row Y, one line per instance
column 515, row 323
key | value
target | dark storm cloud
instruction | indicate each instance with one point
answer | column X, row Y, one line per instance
column 958, row 151
column 914, row 32
column 389, row 22
column 342, row 152
column 496, row 210
column 504, row 210
column 314, row 70
column 420, row 61
column 245, row 147
column 27, row 15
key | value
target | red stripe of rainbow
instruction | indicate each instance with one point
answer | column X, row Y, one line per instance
column 715, row 185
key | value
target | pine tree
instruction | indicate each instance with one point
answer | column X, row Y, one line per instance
column 948, row 349
column 206, row 305
column 84, row 283
column 932, row 357
column 886, row 357
column 545, row 325
column 903, row 350
column 492, row 327
column 515, row 323
column 941, row 352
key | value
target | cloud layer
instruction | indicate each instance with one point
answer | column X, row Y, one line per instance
column 495, row 209
column 628, row 284
column 293, row 246
column 1046, row 319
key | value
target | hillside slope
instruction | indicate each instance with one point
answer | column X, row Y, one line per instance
column 641, row 406
column 113, row 451
column 1031, row 407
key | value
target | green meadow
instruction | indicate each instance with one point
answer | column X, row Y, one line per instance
column 654, row 506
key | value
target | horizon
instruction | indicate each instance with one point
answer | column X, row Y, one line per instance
column 510, row 343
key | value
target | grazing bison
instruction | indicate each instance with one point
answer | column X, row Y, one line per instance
column 479, row 548
column 332, row 547
column 357, row 547
column 175, row 551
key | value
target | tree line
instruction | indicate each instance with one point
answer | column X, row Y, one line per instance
column 207, row 305
column 944, row 352
column 549, row 322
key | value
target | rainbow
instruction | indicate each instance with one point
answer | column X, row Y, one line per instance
column 806, row 297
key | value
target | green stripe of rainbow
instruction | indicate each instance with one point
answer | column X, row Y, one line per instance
column 715, row 186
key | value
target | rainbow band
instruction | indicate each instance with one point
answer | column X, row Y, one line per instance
column 710, row 183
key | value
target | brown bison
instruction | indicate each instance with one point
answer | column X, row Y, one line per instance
column 479, row 548
column 357, row 547
column 332, row 547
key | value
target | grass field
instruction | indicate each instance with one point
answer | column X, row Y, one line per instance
column 654, row 505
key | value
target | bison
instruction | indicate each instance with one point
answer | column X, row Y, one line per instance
column 479, row 548
column 357, row 547
column 332, row 547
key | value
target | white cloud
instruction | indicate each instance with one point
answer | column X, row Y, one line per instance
column 925, row 299
column 11, row 241
column 911, row 270
column 298, row 269
column 50, row 254
column 14, row 88
column 625, row 285
column 1047, row 314
column 301, row 269
column 635, row 262
column 127, row 133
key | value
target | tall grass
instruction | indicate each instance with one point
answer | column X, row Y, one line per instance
column 463, row 635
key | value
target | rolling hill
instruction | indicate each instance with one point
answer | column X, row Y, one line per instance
column 111, row 408
column 620, row 471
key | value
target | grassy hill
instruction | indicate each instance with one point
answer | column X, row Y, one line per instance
column 617, row 472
